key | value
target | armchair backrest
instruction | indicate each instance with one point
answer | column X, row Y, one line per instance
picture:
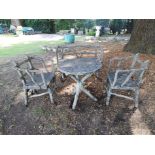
column 123, row 62
column 133, row 74
column 27, row 69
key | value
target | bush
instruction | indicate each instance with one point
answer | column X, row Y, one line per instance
column 91, row 33
column 63, row 24
column 116, row 25
column 89, row 23
column 43, row 25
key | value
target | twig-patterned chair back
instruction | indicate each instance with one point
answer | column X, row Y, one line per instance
column 131, row 77
column 126, row 77
column 123, row 62
column 25, row 68
column 34, row 76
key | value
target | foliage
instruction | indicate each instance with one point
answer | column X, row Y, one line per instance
column 63, row 24
column 88, row 23
column 91, row 33
column 67, row 24
column 44, row 25
column 102, row 22
column 50, row 26
column 78, row 24
column 116, row 25
column 5, row 21
column 129, row 25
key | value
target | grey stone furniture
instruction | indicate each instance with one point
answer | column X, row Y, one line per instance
column 126, row 75
column 49, row 48
column 79, row 50
column 35, row 77
column 79, row 63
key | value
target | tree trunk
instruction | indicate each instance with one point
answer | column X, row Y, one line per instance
column 16, row 22
column 52, row 26
column 142, row 37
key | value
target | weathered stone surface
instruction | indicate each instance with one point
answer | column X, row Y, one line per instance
column 1, row 126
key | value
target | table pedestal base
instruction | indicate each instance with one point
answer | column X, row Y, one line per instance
column 80, row 88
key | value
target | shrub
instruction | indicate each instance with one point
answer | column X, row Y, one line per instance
column 63, row 24
column 43, row 25
column 116, row 26
column 91, row 33
column 89, row 23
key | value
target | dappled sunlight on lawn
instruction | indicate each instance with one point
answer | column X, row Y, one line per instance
column 31, row 38
column 26, row 44
column 25, row 48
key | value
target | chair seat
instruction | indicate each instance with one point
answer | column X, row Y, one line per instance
column 132, row 83
column 38, row 79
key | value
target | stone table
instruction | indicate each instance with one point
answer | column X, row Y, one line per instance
column 80, row 69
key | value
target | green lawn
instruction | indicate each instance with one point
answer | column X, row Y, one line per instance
column 29, row 48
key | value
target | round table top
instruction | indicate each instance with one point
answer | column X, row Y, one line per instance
column 79, row 66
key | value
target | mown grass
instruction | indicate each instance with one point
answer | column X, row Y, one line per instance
column 29, row 47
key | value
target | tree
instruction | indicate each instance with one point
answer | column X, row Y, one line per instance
column 88, row 23
column 44, row 25
column 16, row 22
column 5, row 21
column 129, row 25
column 142, row 37
column 102, row 22
column 116, row 25
column 64, row 24
column 52, row 25
column 78, row 24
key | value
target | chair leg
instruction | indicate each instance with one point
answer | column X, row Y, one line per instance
column 50, row 94
column 108, row 96
column 136, row 97
column 26, row 97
